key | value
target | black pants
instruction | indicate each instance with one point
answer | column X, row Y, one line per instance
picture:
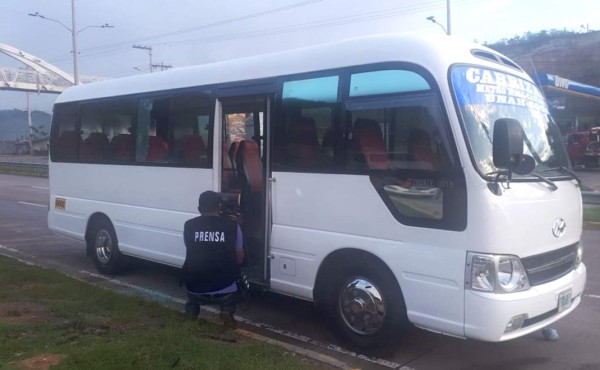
column 226, row 302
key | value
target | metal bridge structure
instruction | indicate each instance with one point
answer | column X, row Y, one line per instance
column 39, row 76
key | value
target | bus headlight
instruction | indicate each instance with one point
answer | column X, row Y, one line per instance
column 495, row 273
column 511, row 274
column 579, row 256
column 483, row 273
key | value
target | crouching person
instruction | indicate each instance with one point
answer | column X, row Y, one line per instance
column 214, row 252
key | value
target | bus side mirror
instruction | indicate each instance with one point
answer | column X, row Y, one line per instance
column 507, row 149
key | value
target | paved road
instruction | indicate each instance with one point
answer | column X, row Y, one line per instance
column 23, row 234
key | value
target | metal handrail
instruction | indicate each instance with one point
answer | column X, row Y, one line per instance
column 37, row 169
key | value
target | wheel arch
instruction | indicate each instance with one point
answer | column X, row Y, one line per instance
column 344, row 256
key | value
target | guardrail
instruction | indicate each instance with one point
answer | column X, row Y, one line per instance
column 33, row 169
column 589, row 197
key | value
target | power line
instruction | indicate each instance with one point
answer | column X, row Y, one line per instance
column 385, row 13
column 105, row 51
column 197, row 28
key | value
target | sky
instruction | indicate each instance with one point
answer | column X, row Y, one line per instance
column 189, row 32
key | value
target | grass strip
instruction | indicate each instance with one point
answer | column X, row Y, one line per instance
column 591, row 214
column 49, row 318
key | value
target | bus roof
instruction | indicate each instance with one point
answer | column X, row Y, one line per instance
column 434, row 52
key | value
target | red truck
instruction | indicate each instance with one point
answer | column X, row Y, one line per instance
column 584, row 147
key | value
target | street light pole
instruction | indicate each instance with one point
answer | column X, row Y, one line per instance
column 432, row 19
column 74, row 32
column 448, row 17
column 447, row 29
column 75, row 51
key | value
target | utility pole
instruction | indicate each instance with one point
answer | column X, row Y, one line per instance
column 29, row 125
column 149, row 50
column 162, row 66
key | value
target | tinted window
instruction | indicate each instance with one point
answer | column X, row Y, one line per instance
column 386, row 82
column 64, row 138
column 107, row 129
column 397, row 134
column 304, row 134
column 174, row 130
column 190, row 125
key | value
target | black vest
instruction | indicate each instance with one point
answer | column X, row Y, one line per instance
column 210, row 259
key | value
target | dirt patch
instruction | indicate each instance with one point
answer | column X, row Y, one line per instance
column 17, row 312
column 40, row 362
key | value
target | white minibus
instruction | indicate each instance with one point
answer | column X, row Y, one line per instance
column 389, row 179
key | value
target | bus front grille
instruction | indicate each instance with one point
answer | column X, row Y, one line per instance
column 546, row 267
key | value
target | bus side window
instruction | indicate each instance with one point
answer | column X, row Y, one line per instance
column 151, row 130
column 367, row 147
column 106, row 131
column 64, row 139
column 304, row 137
column 404, row 137
column 189, row 130
column 395, row 123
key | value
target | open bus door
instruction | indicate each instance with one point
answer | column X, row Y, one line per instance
column 244, row 163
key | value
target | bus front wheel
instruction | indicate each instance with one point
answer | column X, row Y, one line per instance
column 366, row 304
column 105, row 249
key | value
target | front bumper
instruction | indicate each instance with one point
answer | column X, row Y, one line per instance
column 487, row 314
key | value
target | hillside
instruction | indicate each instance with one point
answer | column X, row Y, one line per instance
column 13, row 124
column 575, row 56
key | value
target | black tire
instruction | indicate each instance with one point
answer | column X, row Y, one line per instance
column 366, row 304
column 104, row 248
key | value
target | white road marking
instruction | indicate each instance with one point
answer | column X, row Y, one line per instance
column 8, row 249
column 592, row 295
column 34, row 204
column 40, row 187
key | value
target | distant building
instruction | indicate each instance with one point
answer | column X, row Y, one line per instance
column 565, row 65
column 575, row 106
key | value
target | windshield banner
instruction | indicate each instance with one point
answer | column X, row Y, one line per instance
column 478, row 86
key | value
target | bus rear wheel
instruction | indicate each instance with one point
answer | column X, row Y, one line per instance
column 366, row 305
column 105, row 249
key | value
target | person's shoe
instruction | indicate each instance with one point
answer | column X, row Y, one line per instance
column 228, row 320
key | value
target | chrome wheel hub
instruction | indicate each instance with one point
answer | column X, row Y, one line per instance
column 361, row 306
column 104, row 246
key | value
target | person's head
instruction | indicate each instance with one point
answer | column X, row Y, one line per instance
column 209, row 202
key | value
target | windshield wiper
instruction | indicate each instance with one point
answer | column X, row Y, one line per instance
column 565, row 169
column 550, row 183
column 508, row 177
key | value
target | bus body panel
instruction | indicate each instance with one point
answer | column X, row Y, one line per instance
column 308, row 226
column 148, row 214
column 520, row 221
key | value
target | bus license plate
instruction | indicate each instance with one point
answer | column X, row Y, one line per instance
column 564, row 300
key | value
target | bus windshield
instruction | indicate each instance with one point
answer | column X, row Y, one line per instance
column 485, row 95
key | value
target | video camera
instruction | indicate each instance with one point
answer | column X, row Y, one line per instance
column 230, row 206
